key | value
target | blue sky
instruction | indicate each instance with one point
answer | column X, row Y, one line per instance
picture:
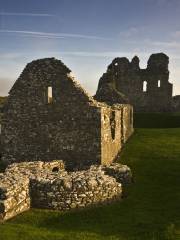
column 86, row 35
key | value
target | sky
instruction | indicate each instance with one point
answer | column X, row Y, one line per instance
column 87, row 35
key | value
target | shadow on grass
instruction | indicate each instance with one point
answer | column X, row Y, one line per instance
column 157, row 120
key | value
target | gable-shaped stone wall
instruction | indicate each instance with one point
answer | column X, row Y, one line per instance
column 66, row 125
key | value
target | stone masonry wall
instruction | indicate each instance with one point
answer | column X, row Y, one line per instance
column 148, row 90
column 74, row 190
column 48, row 185
column 67, row 125
column 117, row 128
column 14, row 186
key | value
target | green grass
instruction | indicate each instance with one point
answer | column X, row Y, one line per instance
column 150, row 210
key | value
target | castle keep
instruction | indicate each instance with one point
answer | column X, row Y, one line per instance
column 49, row 116
column 148, row 90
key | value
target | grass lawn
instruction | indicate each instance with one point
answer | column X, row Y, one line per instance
column 150, row 210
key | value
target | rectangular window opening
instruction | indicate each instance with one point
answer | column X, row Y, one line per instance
column 159, row 83
column 144, row 86
column 50, row 97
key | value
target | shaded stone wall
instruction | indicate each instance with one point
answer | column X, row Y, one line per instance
column 2, row 102
column 148, row 90
column 176, row 103
column 67, row 125
column 48, row 185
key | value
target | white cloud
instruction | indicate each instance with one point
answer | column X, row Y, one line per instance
column 46, row 53
column 129, row 32
column 10, row 56
column 92, row 54
column 26, row 14
column 5, row 86
column 170, row 44
column 161, row 45
column 176, row 34
column 87, row 66
column 52, row 35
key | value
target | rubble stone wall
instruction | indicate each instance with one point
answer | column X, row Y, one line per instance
column 75, row 190
column 49, row 185
column 66, row 124
column 14, row 196
column 15, row 183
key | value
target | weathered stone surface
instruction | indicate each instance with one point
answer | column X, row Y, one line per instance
column 36, row 184
column 75, row 190
column 123, row 82
column 121, row 173
column 65, row 124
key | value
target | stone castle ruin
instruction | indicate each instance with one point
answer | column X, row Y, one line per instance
column 148, row 90
column 48, row 116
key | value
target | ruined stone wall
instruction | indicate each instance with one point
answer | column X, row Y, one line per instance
column 127, row 124
column 111, row 134
column 67, row 125
column 117, row 127
column 48, row 185
column 2, row 102
column 75, row 190
column 14, row 195
column 148, row 90
column 14, row 186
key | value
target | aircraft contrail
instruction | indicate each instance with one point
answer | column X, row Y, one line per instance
column 26, row 14
column 53, row 35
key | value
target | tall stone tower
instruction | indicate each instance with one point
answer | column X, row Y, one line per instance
column 148, row 90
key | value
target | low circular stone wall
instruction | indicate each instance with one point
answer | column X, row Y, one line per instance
column 49, row 185
column 74, row 190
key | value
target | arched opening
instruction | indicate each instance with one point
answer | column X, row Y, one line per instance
column 144, row 86
column 159, row 83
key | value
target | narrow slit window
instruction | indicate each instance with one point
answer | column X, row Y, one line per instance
column 144, row 86
column 113, row 124
column 50, row 95
column 131, row 116
column 159, row 83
